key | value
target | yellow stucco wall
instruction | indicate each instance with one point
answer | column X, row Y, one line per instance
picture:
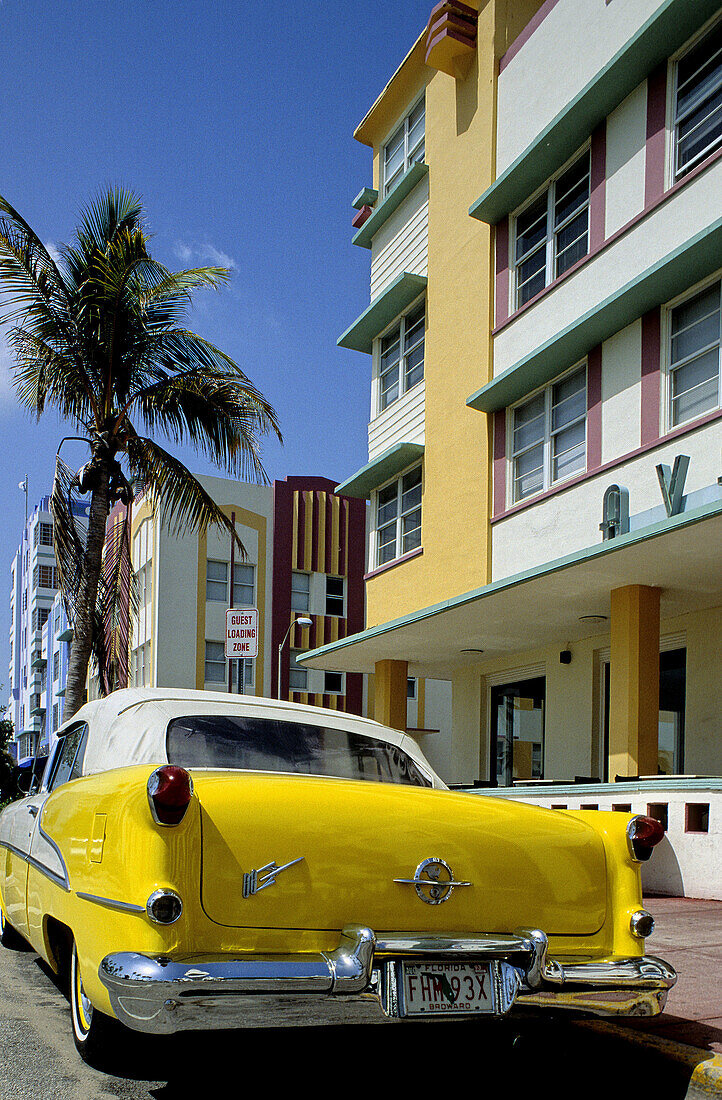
column 460, row 125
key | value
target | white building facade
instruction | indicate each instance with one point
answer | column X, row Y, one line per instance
column 39, row 636
column 606, row 398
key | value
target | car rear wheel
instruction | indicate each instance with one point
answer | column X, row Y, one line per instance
column 93, row 1031
column 8, row 936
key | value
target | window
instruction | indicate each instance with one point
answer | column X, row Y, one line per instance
column 698, row 102
column 333, row 683
column 552, row 233
column 297, row 674
column 56, row 665
column 244, row 585
column 248, row 676
column 217, row 581
column 300, row 588
column 694, row 361
column 140, row 666
column 548, row 435
column 43, row 534
column 401, row 357
column 40, row 617
column 144, row 581
column 398, row 517
column 45, row 576
column 249, row 743
column 334, row 596
column 215, row 667
column 72, row 746
column 517, row 731
column 404, row 148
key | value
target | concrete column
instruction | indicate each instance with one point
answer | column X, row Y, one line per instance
column 467, row 722
column 634, row 681
column 390, row 693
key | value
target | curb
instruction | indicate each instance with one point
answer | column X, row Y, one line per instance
column 705, row 1068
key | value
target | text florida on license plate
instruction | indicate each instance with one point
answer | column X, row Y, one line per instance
column 448, row 987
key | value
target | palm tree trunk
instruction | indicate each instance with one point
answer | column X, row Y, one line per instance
column 85, row 611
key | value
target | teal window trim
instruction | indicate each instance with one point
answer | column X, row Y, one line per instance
column 380, row 470
column 674, row 22
column 388, row 305
column 676, row 272
column 393, row 200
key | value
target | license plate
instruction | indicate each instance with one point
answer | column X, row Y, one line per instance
column 436, row 987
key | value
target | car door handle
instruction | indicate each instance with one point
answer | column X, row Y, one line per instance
column 33, row 811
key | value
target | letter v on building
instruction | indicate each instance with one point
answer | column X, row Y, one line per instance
column 671, row 482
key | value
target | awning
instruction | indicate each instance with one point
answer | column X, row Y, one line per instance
column 547, row 605
column 380, row 470
column 684, row 266
column 387, row 305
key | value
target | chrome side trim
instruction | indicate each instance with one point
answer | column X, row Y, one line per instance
column 110, row 903
column 57, row 851
column 58, row 880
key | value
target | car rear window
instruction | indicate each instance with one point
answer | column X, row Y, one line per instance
column 270, row 745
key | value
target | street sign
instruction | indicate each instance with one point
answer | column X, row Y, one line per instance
column 242, row 633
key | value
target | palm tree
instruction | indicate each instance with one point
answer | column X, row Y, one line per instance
column 97, row 333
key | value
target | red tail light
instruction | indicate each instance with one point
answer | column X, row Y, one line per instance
column 643, row 834
column 170, row 790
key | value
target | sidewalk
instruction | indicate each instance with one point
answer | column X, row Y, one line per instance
column 688, row 935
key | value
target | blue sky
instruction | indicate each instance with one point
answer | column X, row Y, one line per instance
column 233, row 121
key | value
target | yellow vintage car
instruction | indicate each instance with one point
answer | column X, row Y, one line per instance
column 198, row 860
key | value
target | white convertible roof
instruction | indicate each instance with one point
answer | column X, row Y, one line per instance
column 129, row 726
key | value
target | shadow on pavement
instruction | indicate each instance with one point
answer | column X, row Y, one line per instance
column 444, row 1057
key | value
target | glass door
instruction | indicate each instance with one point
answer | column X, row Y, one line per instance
column 517, row 731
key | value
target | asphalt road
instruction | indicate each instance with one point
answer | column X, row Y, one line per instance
column 38, row 1060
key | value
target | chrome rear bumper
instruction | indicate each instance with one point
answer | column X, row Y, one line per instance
column 361, row 982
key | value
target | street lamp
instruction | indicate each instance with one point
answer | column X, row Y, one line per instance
column 298, row 622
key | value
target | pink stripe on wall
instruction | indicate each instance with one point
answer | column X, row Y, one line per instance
column 499, row 470
column 651, row 376
column 594, row 408
column 527, row 33
column 656, row 134
column 597, row 187
column 502, row 271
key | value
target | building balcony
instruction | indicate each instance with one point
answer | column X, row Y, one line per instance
column 37, row 705
column 37, row 660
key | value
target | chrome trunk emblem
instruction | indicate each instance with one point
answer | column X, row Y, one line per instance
column 254, row 881
column 434, row 881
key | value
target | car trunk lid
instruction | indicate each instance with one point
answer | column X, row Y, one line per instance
column 303, row 852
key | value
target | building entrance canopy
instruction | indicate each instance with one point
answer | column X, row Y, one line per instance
column 563, row 601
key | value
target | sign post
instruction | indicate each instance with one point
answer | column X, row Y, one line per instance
column 242, row 638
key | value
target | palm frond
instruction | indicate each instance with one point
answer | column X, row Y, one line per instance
column 110, row 213
column 174, row 493
column 68, row 536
